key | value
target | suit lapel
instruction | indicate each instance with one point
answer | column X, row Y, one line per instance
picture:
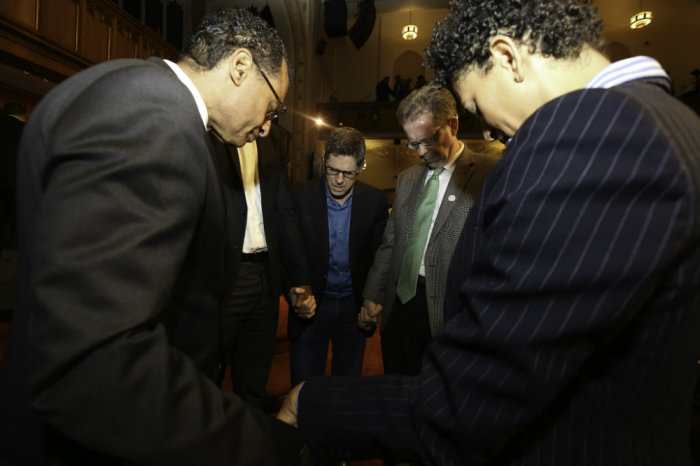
column 456, row 188
column 321, row 216
column 233, row 154
column 355, row 219
column 266, row 154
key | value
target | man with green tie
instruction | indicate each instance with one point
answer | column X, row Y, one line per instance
column 406, row 283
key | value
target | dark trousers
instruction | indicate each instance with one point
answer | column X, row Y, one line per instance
column 249, row 326
column 406, row 334
column 336, row 322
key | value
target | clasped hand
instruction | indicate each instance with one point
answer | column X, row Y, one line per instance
column 303, row 301
column 369, row 314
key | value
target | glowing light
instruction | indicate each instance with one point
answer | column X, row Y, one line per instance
column 640, row 20
column 409, row 32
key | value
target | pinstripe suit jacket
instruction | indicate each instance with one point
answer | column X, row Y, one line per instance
column 470, row 171
column 575, row 295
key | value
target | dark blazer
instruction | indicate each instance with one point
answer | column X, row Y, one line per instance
column 287, row 261
column 575, row 291
column 123, row 247
column 367, row 221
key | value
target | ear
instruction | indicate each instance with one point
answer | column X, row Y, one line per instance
column 507, row 56
column 240, row 65
column 454, row 125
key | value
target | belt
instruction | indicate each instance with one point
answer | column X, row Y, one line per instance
column 254, row 257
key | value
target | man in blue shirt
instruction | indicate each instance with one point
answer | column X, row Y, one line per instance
column 342, row 221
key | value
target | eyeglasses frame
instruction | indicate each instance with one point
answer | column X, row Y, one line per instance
column 414, row 145
column 348, row 175
column 272, row 114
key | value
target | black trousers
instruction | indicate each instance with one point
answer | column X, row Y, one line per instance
column 406, row 334
column 249, row 326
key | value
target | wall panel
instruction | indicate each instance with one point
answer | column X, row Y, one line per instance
column 124, row 41
column 20, row 12
column 96, row 34
column 54, row 39
column 58, row 22
column 149, row 48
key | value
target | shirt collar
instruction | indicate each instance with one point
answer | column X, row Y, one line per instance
column 630, row 69
column 449, row 168
column 193, row 90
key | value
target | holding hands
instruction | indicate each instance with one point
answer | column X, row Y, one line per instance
column 369, row 315
column 303, row 301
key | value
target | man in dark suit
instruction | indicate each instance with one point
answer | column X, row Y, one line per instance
column 261, row 212
column 115, row 344
column 406, row 283
column 342, row 221
column 575, row 288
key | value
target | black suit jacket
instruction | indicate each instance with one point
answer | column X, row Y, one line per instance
column 287, row 261
column 367, row 221
column 115, row 337
column 574, row 301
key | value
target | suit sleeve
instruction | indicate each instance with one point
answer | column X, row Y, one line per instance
column 292, row 249
column 575, row 233
column 379, row 222
column 122, row 195
column 378, row 276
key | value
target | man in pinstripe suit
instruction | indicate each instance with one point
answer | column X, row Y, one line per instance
column 574, row 292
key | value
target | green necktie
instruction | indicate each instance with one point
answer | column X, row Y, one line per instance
column 413, row 256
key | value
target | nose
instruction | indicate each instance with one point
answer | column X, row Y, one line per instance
column 265, row 129
column 422, row 150
column 339, row 178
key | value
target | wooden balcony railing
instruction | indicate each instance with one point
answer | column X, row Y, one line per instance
column 377, row 120
column 55, row 39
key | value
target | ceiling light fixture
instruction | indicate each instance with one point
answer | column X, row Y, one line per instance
column 409, row 31
column 640, row 20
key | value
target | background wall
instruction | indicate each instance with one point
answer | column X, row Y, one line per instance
column 355, row 73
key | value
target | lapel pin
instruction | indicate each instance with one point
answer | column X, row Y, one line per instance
column 451, row 198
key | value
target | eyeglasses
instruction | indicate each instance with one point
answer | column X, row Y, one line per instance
column 273, row 114
column 346, row 174
column 428, row 142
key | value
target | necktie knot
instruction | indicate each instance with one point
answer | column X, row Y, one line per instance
column 437, row 172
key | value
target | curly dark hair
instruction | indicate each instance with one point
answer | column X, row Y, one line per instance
column 432, row 98
column 222, row 32
column 345, row 141
column 556, row 28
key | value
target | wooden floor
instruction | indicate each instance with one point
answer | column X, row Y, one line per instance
column 279, row 383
